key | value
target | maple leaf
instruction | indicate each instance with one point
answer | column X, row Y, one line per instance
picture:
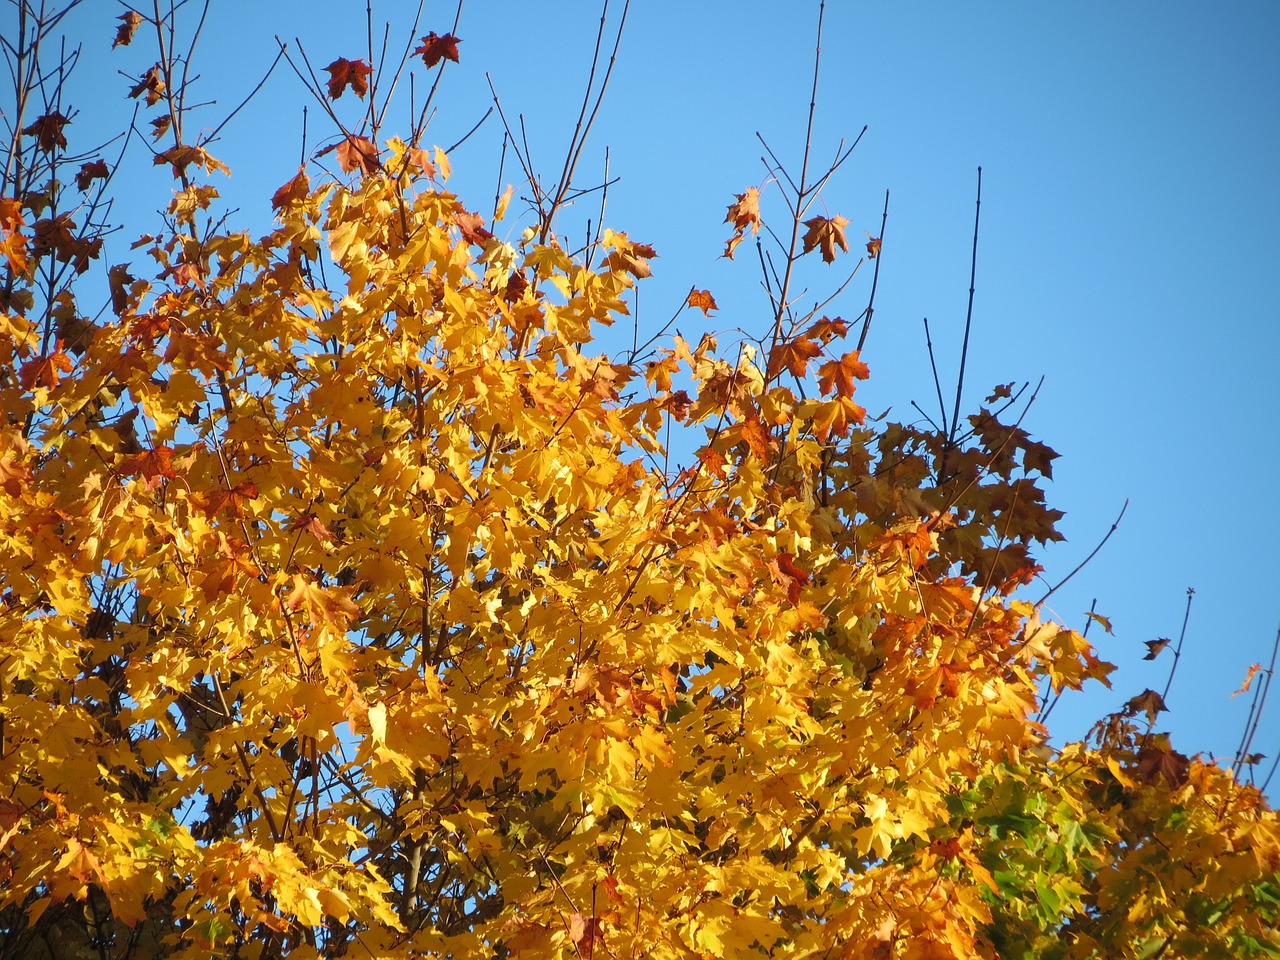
column 130, row 21
column 1157, row 761
column 294, row 191
column 184, row 156
column 793, row 355
column 703, row 300
column 632, row 257
column 435, row 48
column 840, row 374
column 1102, row 621
column 1149, row 702
column 825, row 234
column 472, row 227
column 836, row 416
column 46, row 370
column 785, row 572
column 97, row 170
column 152, row 84
column 744, row 212
column 873, row 246
column 313, row 526
column 1155, row 646
column 154, row 466
column 755, row 434
column 232, row 501
column 826, row 330
column 355, row 153
column 345, row 73
column 329, row 606
column 584, row 932
column 1248, row 680
column 47, row 130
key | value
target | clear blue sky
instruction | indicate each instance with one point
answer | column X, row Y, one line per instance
column 1128, row 252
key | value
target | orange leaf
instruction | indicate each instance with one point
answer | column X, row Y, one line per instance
column 356, row 153
column 436, row 48
column 703, row 300
column 45, row 370
column 1149, row 702
column 313, row 526
column 826, row 234
column 231, row 501
column 128, row 27
column 841, row 373
column 793, row 355
column 835, row 416
column 152, row 84
column 743, row 212
column 294, row 191
column 827, row 330
column 473, row 229
column 1248, row 680
column 1155, row 646
column 873, row 246
column 345, row 73
column 154, row 466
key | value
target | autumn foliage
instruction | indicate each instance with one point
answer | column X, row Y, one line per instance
column 353, row 603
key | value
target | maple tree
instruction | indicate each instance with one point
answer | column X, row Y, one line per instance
column 351, row 603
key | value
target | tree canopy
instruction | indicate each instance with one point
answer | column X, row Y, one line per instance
column 353, row 603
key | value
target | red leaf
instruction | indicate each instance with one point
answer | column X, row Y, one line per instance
column 90, row 172
column 345, row 73
column 436, row 48
column 48, row 131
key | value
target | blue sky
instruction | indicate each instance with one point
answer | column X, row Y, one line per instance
column 1128, row 246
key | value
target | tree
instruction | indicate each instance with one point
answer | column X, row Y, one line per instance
column 367, row 614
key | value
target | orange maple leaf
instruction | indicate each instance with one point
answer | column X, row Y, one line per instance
column 345, row 73
column 1155, row 646
column 793, row 355
column 825, row 234
column 841, row 373
column 755, row 435
column 743, row 212
column 154, row 466
column 1149, row 702
column 45, row 371
column 873, row 246
column 835, row 416
column 473, row 228
column 827, row 330
column 323, row 605
column 294, row 191
column 703, row 300
column 313, row 526
column 436, row 48
column 632, row 257
column 124, row 33
column 152, row 84
column 232, row 500
column 785, row 572
column 355, row 153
